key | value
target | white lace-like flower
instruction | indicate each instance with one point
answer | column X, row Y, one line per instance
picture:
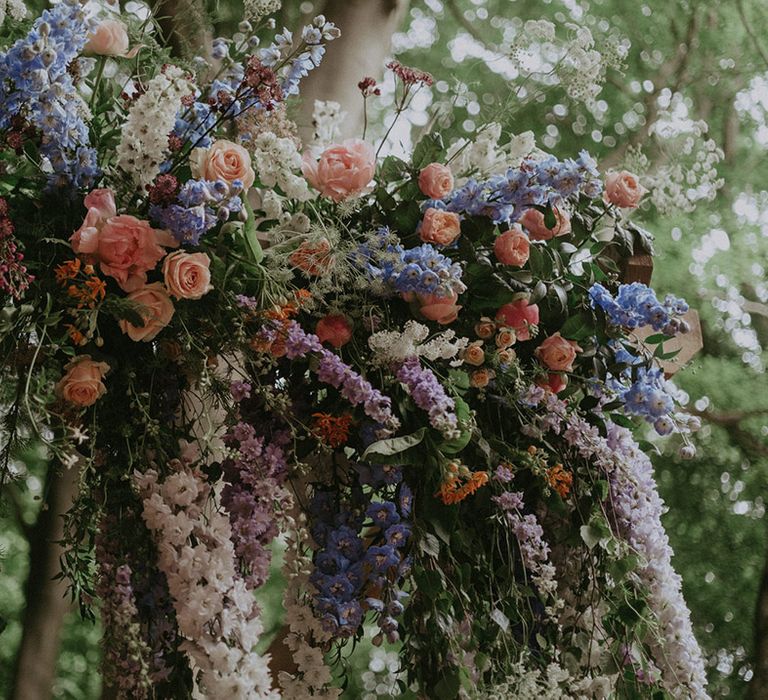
column 257, row 9
column 395, row 346
column 144, row 142
column 276, row 161
column 15, row 8
column 484, row 156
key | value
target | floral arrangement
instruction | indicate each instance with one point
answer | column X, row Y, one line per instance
column 422, row 375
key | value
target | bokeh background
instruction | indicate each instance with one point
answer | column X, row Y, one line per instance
column 693, row 90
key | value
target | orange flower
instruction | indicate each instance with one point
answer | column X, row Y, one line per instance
column 67, row 271
column 330, row 429
column 560, row 480
column 313, row 258
column 452, row 491
column 74, row 333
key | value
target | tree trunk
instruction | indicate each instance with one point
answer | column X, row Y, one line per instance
column 47, row 602
column 366, row 27
column 758, row 686
column 184, row 25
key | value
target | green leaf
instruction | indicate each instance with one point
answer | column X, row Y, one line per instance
column 550, row 220
column 392, row 168
column 656, row 338
column 590, row 535
column 254, row 247
column 393, row 446
column 448, row 686
column 427, row 150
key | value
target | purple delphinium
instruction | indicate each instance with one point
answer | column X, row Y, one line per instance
column 429, row 395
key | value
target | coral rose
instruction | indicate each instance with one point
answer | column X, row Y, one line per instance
column 187, row 275
column 474, row 354
column 519, row 316
column 533, row 221
column 554, row 382
column 342, row 171
column 440, row 227
column 436, row 181
column 442, row 309
column 157, row 311
column 109, row 39
column 224, row 160
column 334, row 329
column 82, row 383
column 557, row 353
column 485, row 328
column 480, row 378
column 623, row 189
column 512, row 247
column 127, row 248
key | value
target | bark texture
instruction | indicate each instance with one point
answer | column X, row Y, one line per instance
column 758, row 686
column 47, row 602
column 184, row 25
column 366, row 27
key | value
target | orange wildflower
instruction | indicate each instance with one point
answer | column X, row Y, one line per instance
column 313, row 258
column 330, row 429
column 560, row 480
column 67, row 270
column 452, row 491
column 97, row 288
column 74, row 333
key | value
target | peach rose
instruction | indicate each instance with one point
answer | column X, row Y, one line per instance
column 557, row 353
column 157, row 312
column 436, row 180
column 623, row 189
column 109, row 39
column 334, row 329
column 224, row 160
column 554, row 382
column 474, row 354
column 505, row 338
column 519, row 316
column 342, row 171
column 127, row 248
column 507, row 357
column 100, row 204
column 187, row 275
column 533, row 221
column 442, row 309
column 82, row 383
column 485, row 328
column 480, row 378
column 512, row 247
column 439, row 227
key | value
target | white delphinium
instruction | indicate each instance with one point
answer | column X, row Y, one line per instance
column 394, row 346
column 276, row 161
column 257, row 9
column 216, row 613
column 15, row 8
column 327, row 118
column 144, row 142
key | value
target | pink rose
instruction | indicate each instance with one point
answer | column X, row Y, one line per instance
column 512, row 247
column 156, row 309
column 554, row 382
column 100, row 204
column 109, row 39
column 82, row 383
column 127, row 248
column 481, row 378
column 623, row 189
column 334, row 329
column 440, row 227
column 436, row 180
column 224, row 160
column 343, row 170
column 533, row 221
column 474, row 354
column 442, row 309
column 187, row 275
column 557, row 353
column 519, row 316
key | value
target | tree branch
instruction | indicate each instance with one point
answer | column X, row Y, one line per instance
column 750, row 32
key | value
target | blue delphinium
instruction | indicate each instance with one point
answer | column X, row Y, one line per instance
column 201, row 204
column 636, row 305
column 37, row 85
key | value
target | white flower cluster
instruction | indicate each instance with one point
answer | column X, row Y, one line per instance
column 380, row 680
column 276, row 160
column 574, row 63
column 313, row 679
column 144, row 142
column 327, row 118
column 689, row 173
column 395, row 346
column 216, row 613
column 257, row 9
column 484, row 156
column 15, row 8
